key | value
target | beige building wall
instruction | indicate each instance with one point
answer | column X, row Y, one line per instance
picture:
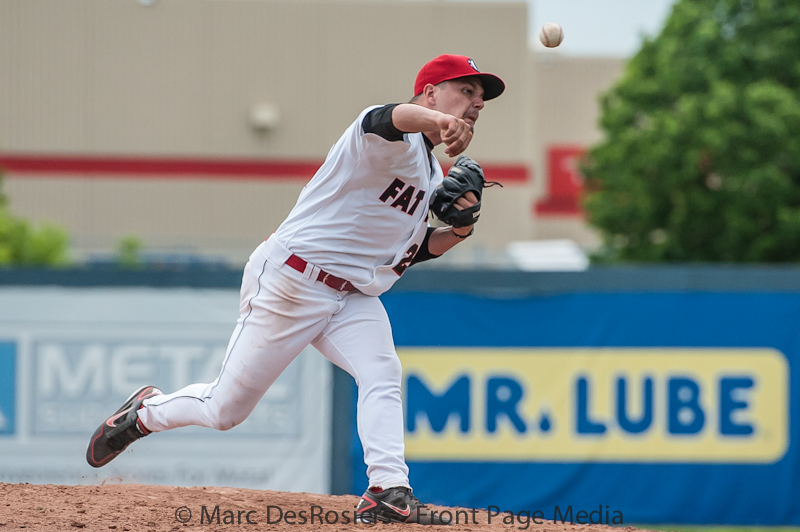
column 567, row 94
column 180, row 78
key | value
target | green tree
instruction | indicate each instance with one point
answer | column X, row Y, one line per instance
column 129, row 252
column 701, row 154
column 21, row 244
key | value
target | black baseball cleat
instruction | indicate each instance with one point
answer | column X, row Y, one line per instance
column 120, row 430
column 395, row 505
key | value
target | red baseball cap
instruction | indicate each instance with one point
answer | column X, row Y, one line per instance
column 448, row 66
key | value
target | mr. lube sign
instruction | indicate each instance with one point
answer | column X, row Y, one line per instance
column 609, row 405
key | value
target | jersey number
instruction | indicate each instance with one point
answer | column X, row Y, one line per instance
column 405, row 262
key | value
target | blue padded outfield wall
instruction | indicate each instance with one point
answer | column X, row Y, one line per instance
column 651, row 399
column 649, row 394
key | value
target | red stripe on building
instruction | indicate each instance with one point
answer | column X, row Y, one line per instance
column 504, row 173
column 173, row 167
column 131, row 167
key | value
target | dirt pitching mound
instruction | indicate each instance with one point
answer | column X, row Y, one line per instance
column 136, row 507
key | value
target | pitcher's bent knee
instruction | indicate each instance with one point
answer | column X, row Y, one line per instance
column 387, row 369
column 222, row 417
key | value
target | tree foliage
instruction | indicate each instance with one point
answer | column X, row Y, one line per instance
column 701, row 155
column 129, row 252
column 22, row 244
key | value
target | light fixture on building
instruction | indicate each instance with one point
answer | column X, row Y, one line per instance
column 264, row 116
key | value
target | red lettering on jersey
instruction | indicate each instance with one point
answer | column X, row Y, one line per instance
column 405, row 198
column 420, row 195
column 405, row 262
column 392, row 190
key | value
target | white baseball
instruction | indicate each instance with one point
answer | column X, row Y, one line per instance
column 551, row 34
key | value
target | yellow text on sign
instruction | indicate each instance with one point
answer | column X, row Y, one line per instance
column 605, row 405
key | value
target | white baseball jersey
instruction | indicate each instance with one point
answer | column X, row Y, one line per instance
column 363, row 216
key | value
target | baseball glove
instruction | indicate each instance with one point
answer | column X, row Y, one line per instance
column 464, row 176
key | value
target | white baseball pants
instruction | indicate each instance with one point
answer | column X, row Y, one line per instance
column 281, row 312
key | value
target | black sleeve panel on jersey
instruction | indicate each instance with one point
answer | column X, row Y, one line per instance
column 424, row 253
column 379, row 121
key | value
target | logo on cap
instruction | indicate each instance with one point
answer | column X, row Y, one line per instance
column 472, row 64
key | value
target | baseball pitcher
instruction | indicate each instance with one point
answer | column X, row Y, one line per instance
column 360, row 222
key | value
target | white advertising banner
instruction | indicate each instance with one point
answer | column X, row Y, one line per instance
column 69, row 357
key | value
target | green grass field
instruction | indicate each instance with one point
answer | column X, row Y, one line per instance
column 699, row 528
